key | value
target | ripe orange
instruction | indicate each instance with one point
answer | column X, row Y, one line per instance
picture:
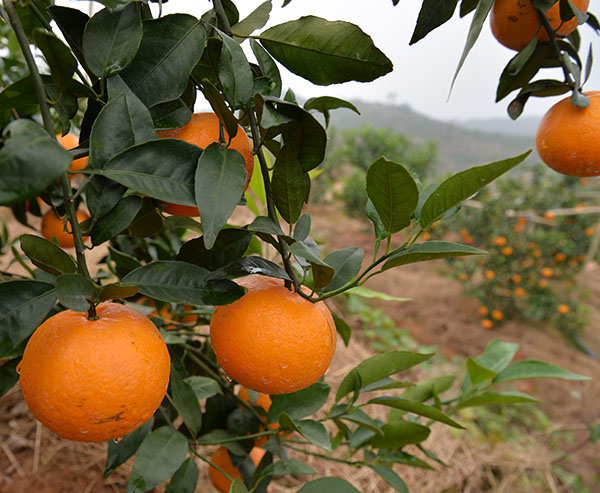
column 520, row 292
column 497, row 315
column 506, row 251
column 69, row 142
column 263, row 401
column 560, row 257
column 95, row 380
column 426, row 235
column 547, row 272
column 589, row 231
column 500, row 241
column 515, row 22
column 202, row 130
column 221, row 459
column 483, row 311
column 568, row 137
column 542, row 283
column 486, row 323
column 516, row 278
column 563, row 309
column 489, row 274
column 54, row 227
column 272, row 340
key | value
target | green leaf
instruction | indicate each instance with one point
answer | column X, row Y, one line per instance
column 433, row 14
column 235, row 74
column 328, row 485
column 535, row 369
column 314, row 431
column 325, row 52
column 238, row 486
column 116, row 292
column 185, row 478
column 25, row 145
column 119, row 452
column 363, row 419
column 263, row 224
column 71, row 23
column 424, row 390
column 102, row 195
column 219, row 106
column 268, row 67
column 123, row 263
column 75, row 292
column 394, row 193
column 111, row 40
column 249, row 265
column 308, row 250
column 430, row 250
column 399, row 457
column 324, row 104
column 173, row 114
column 116, row 5
column 497, row 355
column 346, row 264
column 495, row 398
column 58, row 56
column 163, row 169
column 203, row 387
column 147, row 222
column 47, row 256
column 8, row 375
column 399, row 434
column 342, row 328
column 286, row 468
column 369, row 293
column 478, row 373
column 299, row 404
column 377, row 367
column 463, row 185
column 255, row 20
column 116, row 220
column 302, row 228
column 290, row 185
column 25, row 305
column 121, row 124
column 220, row 179
column 185, row 401
column 180, row 282
column 390, row 477
column 229, row 246
column 158, row 457
column 416, row 408
column 378, row 227
column 171, row 47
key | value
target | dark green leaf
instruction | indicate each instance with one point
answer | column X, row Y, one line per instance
column 220, row 178
column 342, row 328
column 171, row 46
column 399, row 434
column 299, row 404
column 163, row 169
column 287, row 467
column 219, row 106
column 302, row 228
column 47, row 256
column 394, row 193
column 185, row 478
column 8, row 375
column 230, row 245
column 58, row 56
column 173, row 114
column 363, row 419
column 124, row 263
column 433, row 14
column 463, row 185
column 102, row 195
column 407, row 459
column 238, row 486
column 185, row 401
column 346, row 264
column 314, row 431
column 119, row 452
column 76, row 292
column 328, row 485
column 157, row 459
column 268, row 67
column 116, row 292
column 255, row 20
column 71, row 23
column 266, row 225
column 326, row 103
column 496, row 398
column 325, row 52
column 290, row 185
column 416, row 408
column 25, row 305
column 111, row 40
column 377, row 367
column 203, row 387
column 379, row 228
column 430, row 250
column 116, row 220
column 535, row 369
column 308, row 250
column 322, row 275
column 147, row 222
column 249, row 265
column 235, row 74
column 180, row 282
column 391, row 478
column 26, row 145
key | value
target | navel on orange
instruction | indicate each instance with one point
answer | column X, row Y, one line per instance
column 272, row 340
column 95, row 380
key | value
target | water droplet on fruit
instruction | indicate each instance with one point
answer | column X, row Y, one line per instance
column 18, row 369
column 83, row 432
column 117, row 440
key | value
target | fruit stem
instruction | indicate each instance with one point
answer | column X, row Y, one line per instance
column 38, row 86
column 92, row 315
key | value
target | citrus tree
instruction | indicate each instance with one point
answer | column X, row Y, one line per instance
column 126, row 80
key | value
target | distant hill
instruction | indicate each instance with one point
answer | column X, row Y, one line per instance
column 524, row 125
column 460, row 145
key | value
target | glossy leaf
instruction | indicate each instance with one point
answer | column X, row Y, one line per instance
column 325, row 104
column 219, row 106
column 377, row 367
column 535, row 369
column 394, row 193
column 346, row 263
column 203, row 387
column 170, row 48
column 111, row 40
column 255, row 20
column 247, row 266
column 235, row 74
column 363, row 419
column 463, row 185
column 157, row 459
column 116, row 220
column 325, row 52
column 497, row 355
column 342, row 328
column 425, row 389
column 47, row 256
column 328, row 485
column 369, row 293
column 220, row 178
column 75, row 292
column 185, row 401
column 71, row 23
column 229, row 246
column 496, row 398
column 478, row 373
column 290, row 185
column 433, row 14
column 147, row 222
column 173, row 114
column 266, row 225
column 399, row 434
column 302, row 228
column 102, row 195
column 116, row 292
column 268, row 67
column 430, row 250
column 121, row 451
column 314, row 431
column 415, row 408
column 163, row 169
column 8, row 375
column 391, row 478
column 180, row 282
column 25, row 305
column 58, row 56
column 22, row 177
column 287, row 467
column 185, row 478
column 299, row 404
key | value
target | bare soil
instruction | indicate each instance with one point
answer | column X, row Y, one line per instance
column 33, row 459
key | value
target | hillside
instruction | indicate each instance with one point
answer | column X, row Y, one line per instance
column 459, row 146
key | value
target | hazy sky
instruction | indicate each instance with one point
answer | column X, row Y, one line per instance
column 422, row 72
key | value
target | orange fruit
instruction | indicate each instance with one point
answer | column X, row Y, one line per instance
column 520, row 292
column 500, row 241
column 202, row 130
column 486, row 323
column 546, row 272
column 549, row 215
column 483, row 311
column 589, row 231
column 263, row 401
column 489, row 274
column 542, row 283
column 515, row 22
column 54, row 227
column 426, row 235
column 70, row 141
column 507, row 251
column 497, row 315
column 221, row 459
column 272, row 340
column 560, row 257
column 95, row 380
column 568, row 137
column 463, row 276
column 536, row 253
column 563, row 309
column 516, row 278
column 469, row 239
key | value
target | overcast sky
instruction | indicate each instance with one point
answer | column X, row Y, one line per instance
column 422, row 72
